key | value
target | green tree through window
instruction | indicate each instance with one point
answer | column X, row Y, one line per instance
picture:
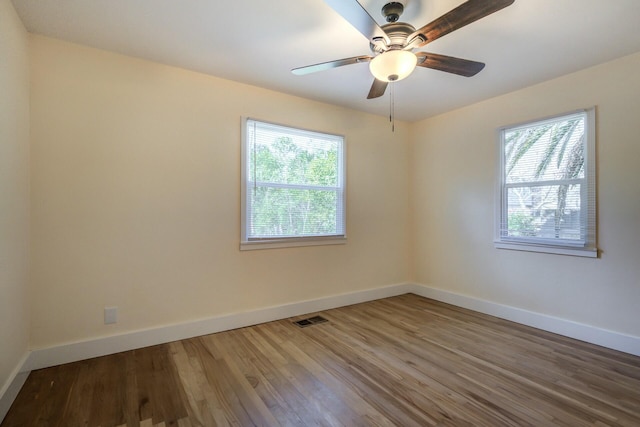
column 294, row 183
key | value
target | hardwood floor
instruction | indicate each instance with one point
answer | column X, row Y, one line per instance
column 404, row 361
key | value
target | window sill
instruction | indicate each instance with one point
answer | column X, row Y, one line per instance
column 291, row 243
column 586, row 252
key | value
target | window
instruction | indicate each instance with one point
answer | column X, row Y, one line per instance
column 547, row 186
column 293, row 187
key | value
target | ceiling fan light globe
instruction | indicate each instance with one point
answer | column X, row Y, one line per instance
column 393, row 65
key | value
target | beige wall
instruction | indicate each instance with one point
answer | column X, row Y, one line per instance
column 14, row 190
column 135, row 197
column 453, row 177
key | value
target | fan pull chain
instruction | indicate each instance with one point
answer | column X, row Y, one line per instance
column 392, row 107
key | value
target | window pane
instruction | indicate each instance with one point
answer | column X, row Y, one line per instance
column 293, row 159
column 294, row 184
column 283, row 212
column 550, row 212
column 547, row 191
column 546, row 151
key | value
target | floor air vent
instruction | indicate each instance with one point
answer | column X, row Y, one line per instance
column 310, row 321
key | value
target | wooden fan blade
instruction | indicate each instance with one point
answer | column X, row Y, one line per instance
column 357, row 16
column 331, row 64
column 465, row 14
column 449, row 64
column 377, row 89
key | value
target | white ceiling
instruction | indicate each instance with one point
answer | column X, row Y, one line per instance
column 259, row 42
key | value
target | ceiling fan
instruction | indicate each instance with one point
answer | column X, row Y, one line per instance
column 393, row 44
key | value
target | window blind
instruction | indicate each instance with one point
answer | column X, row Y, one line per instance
column 294, row 182
column 547, row 174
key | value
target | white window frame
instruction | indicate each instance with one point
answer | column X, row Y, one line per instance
column 585, row 248
column 248, row 243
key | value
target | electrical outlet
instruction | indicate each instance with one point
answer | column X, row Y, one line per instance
column 110, row 315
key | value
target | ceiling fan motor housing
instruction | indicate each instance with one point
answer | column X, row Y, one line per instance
column 398, row 33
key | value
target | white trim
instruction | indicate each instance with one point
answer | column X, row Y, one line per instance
column 281, row 185
column 247, row 243
column 12, row 386
column 584, row 252
column 587, row 185
column 545, row 120
column 253, row 245
column 591, row 334
column 81, row 350
column 71, row 352
column 547, row 183
column 243, row 179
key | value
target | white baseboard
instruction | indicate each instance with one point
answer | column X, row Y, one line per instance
column 12, row 386
column 603, row 337
column 71, row 352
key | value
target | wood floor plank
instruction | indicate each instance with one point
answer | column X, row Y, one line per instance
column 353, row 408
column 443, row 399
column 400, row 361
column 452, row 352
column 213, row 409
column 52, row 395
column 260, row 369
